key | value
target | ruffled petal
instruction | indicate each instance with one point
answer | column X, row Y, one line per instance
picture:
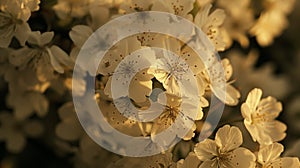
column 228, row 138
column 206, row 150
column 240, row 158
column 269, row 153
column 253, row 99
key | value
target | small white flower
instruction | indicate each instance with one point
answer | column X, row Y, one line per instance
column 124, row 65
column 224, row 151
column 14, row 132
column 259, row 118
column 175, row 75
column 269, row 156
column 211, row 24
column 178, row 116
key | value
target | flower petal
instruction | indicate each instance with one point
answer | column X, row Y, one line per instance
column 269, row 153
column 79, row 34
column 241, row 158
column 22, row 33
column 285, row 162
column 39, row 103
column 232, row 95
column 46, row 38
column 206, row 150
column 253, row 99
column 228, row 138
column 59, row 59
column 21, row 56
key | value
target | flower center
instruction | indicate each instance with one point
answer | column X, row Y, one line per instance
column 259, row 116
column 170, row 115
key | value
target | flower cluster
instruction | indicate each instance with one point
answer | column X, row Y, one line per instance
column 41, row 40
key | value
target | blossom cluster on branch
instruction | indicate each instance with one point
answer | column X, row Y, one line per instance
column 39, row 45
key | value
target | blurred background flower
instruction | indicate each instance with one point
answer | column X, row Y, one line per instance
column 258, row 41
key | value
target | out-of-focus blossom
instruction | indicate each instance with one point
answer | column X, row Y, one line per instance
column 23, row 80
column 71, row 8
column 91, row 155
column 26, row 93
column 225, row 150
column 37, row 79
column 42, row 58
column 79, row 34
column 239, row 19
column 13, row 22
column 4, row 63
column 14, row 132
column 32, row 5
column 269, row 26
column 69, row 128
column 27, row 103
column 269, row 156
column 210, row 24
column 259, row 115
column 100, row 13
column 247, row 76
column 272, row 21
